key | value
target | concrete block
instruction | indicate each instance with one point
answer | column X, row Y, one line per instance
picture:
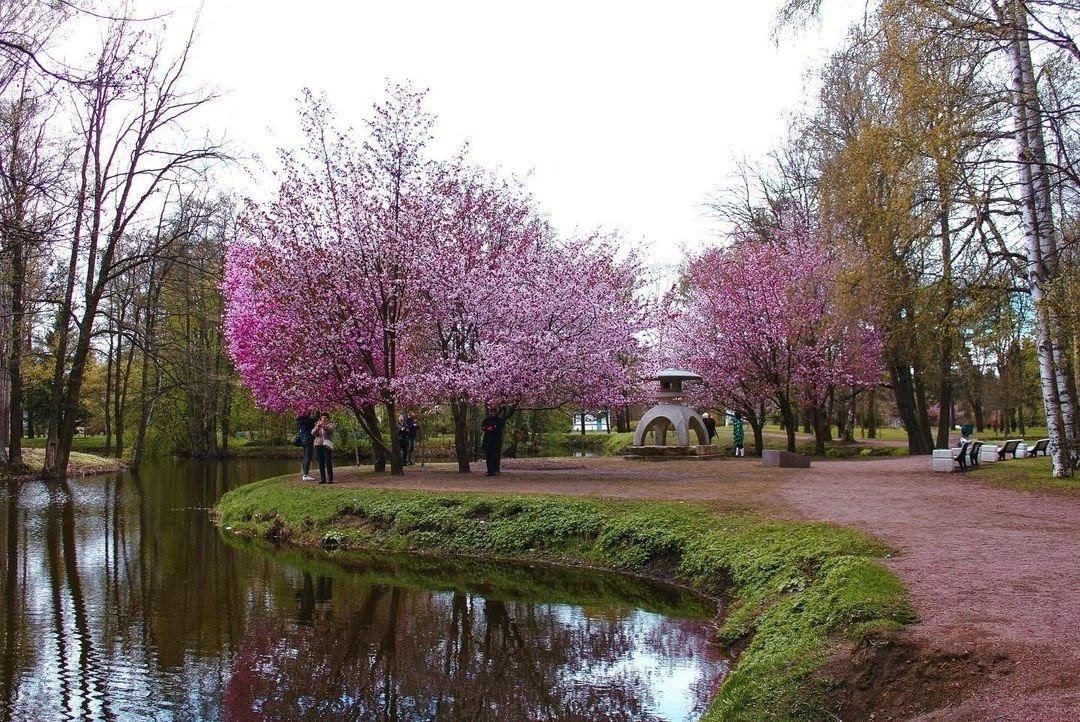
column 786, row 459
column 943, row 460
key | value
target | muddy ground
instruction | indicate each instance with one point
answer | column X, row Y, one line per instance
column 993, row 573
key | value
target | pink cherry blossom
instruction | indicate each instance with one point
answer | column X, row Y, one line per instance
column 379, row 277
column 768, row 320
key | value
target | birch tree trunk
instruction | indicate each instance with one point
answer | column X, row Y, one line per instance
column 1043, row 251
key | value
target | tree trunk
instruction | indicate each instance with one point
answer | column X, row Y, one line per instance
column 369, row 422
column 757, row 424
column 5, row 380
column 819, row 421
column 847, row 423
column 946, row 349
column 1043, row 251
column 149, row 351
column 15, row 344
column 396, row 468
column 108, row 393
column 146, row 411
column 787, row 413
column 904, row 391
column 55, row 461
column 459, row 413
column 117, row 401
column 123, row 380
column 872, row 416
column 945, row 392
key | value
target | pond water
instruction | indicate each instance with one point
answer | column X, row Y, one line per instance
column 121, row 601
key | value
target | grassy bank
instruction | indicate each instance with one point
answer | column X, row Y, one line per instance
column 1027, row 475
column 795, row 590
column 79, row 464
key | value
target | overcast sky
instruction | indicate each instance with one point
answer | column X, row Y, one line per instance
column 627, row 115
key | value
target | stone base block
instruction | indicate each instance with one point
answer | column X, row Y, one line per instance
column 659, row 453
column 943, row 460
column 988, row 454
column 773, row 457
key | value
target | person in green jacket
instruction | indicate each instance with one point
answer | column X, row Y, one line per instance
column 738, row 435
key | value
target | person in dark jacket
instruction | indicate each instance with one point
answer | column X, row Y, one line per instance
column 408, row 439
column 710, row 426
column 305, row 426
column 493, row 439
column 966, row 432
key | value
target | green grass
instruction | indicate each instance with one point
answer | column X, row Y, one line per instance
column 600, row 443
column 1027, row 475
column 78, row 463
column 86, row 444
column 794, row 589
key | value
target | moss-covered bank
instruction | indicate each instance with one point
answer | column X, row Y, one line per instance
column 797, row 591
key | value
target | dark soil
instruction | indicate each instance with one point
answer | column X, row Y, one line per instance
column 994, row 574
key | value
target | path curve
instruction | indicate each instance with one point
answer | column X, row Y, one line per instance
column 994, row 574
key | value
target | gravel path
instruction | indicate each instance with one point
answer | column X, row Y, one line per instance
column 994, row 574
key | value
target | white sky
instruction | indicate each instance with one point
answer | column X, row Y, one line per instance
column 628, row 115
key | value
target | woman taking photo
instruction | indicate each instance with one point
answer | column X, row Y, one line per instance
column 324, row 448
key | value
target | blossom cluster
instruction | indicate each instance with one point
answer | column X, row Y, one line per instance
column 378, row 275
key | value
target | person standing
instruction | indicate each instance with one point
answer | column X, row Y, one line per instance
column 305, row 426
column 966, row 432
column 402, row 437
column 738, row 435
column 411, row 429
column 324, row 448
column 710, row 426
column 492, row 442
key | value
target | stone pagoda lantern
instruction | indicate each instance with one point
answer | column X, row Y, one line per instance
column 671, row 414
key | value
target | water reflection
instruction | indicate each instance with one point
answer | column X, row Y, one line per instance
column 121, row 601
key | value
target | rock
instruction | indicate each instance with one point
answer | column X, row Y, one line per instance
column 772, row 457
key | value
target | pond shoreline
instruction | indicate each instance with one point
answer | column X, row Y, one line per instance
column 804, row 597
column 79, row 464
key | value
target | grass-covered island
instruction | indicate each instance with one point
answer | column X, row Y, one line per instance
column 801, row 598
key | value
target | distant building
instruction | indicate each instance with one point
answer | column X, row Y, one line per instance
column 593, row 422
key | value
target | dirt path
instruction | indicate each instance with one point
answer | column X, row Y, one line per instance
column 994, row 574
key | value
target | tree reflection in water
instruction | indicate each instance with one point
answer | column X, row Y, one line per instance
column 395, row 654
column 120, row 600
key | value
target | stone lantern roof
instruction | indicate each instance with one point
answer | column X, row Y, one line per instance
column 671, row 381
column 676, row 374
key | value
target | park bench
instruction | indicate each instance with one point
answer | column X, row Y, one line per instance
column 1009, row 447
column 1040, row 445
column 976, row 449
